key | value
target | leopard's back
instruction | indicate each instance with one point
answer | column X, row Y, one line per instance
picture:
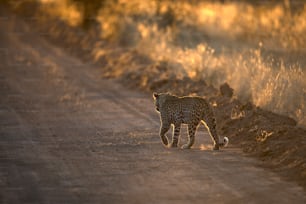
column 186, row 110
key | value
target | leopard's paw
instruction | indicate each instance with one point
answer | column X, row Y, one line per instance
column 165, row 141
column 185, row 146
column 216, row 147
column 172, row 145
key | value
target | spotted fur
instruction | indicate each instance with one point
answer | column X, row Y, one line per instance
column 185, row 110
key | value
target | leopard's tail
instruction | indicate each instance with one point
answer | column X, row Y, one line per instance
column 225, row 142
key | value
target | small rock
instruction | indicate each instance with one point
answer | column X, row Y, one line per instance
column 226, row 90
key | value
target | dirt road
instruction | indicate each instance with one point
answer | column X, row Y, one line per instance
column 69, row 136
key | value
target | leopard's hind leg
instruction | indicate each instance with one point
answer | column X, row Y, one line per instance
column 176, row 134
column 192, row 127
column 163, row 130
column 210, row 124
column 213, row 134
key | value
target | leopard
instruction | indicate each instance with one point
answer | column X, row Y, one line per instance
column 189, row 110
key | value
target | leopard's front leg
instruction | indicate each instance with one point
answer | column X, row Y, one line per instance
column 191, row 134
column 163, row 130
column 175, row 136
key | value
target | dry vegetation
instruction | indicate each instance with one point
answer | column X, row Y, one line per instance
column 190, row 47
column 257, row 49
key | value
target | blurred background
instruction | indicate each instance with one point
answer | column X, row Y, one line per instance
column 257, row 47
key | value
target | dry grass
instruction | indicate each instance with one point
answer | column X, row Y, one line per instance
column 213, row 41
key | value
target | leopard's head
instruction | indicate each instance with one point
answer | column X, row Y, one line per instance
column 159, row 100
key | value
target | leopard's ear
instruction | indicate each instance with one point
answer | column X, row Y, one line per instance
column 155, row 95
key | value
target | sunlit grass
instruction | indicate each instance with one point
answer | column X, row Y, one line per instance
column 272, row 24
column 64, row 9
